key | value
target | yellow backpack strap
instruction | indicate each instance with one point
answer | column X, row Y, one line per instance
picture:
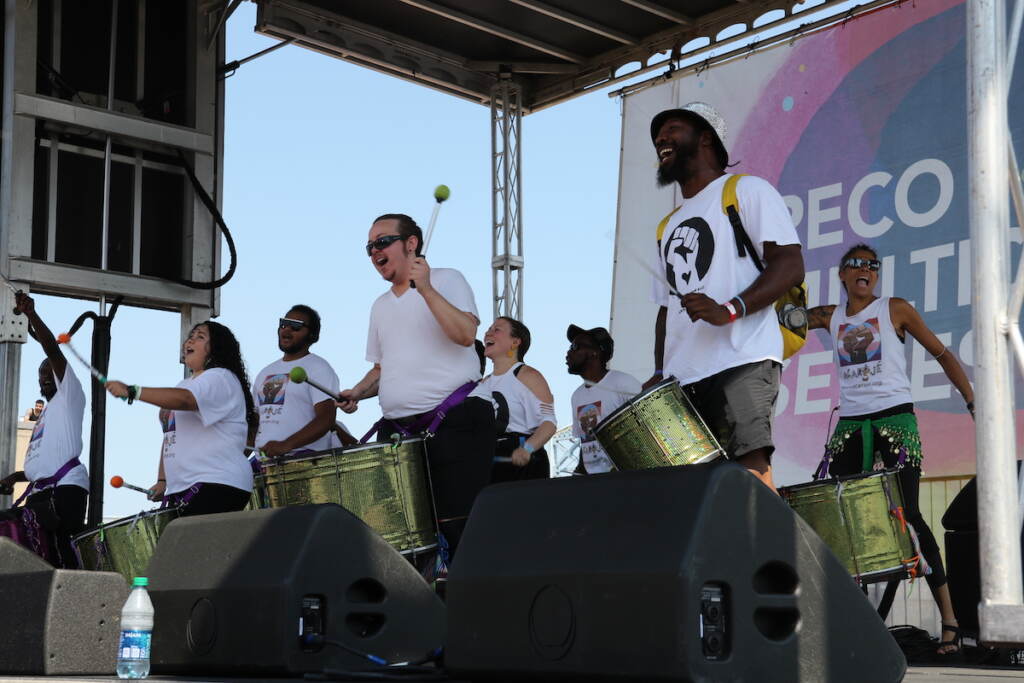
column 664, row 222
column 729, row 193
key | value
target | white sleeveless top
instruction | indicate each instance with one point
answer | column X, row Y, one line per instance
column 870, row 360
column 526, row 412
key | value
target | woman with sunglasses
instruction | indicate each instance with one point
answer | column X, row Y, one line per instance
column 525, row 415
column 875, row 405
column 207, row 420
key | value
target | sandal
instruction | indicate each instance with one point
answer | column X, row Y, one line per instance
column 955, row 642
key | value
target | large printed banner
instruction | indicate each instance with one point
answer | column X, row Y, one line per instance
column 862, row 128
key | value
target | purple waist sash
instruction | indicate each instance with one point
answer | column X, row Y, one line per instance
column 429, row 420
column 46, row 482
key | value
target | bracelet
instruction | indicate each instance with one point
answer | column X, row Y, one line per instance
column 732, row 310
column 743, row 304
column 161, row 480
column 134, row 392
column 528, row 448
column 944, row 349
column 659, row 373
column 970, row 407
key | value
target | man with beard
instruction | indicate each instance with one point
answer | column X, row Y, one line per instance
column 421, row 344
column 716, row 330
column 295, row 415
column 59, row 483
column 602, row 391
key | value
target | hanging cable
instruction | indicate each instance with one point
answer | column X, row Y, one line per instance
column 208, row 202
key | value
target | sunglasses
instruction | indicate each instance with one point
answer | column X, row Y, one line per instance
column 871, row 263
column 382, row 243
column 576, row 346
column 291, row 324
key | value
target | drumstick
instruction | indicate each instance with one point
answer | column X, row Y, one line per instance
column 65, row 339
column 9, row 284
column 298, row 374
column 441, row 195
column 117, row 482
column 660, row 277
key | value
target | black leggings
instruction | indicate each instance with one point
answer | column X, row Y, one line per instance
column 61, row 512
column 460, row 457
column 214, row 498
column 850, row 461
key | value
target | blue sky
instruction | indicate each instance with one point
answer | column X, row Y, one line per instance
column 315, row 149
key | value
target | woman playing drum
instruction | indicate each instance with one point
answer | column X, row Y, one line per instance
column 876, row 409
column 523, row 403
column 207, row 419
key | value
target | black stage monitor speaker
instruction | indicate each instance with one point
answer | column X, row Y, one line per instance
column 56, row 621
column 963, row 564
column 281, row 591
column 695, row 573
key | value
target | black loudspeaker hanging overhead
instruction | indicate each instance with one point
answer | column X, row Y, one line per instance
column 285, row 591
column 696, row 573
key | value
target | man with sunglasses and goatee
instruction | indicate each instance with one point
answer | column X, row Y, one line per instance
column 421, row 344
column 294, row 416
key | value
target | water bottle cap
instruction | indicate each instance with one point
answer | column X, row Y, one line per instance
column 140, row 581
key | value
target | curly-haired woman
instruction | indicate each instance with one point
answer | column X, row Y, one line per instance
column 206, row 421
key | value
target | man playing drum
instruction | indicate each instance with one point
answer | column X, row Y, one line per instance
column 421, row 344
column 602, row 391
column 716, row 330
column 295, row 415
column 59, row 483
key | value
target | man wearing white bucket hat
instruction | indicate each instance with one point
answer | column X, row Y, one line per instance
column 716, row 331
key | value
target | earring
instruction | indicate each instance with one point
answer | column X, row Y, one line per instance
column 511, row 353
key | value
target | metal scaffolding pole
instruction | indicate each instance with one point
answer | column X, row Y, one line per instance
column 506, row 199
column 1001, row 612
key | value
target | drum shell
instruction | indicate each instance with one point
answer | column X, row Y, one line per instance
column 124, row 545
column 657, row 428
column 386, row 486
column 852, row 516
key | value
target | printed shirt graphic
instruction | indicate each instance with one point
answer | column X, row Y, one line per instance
column 167, row 426
column 697, row 254
column 588, row 415
column 859, row 343
column 274, row 389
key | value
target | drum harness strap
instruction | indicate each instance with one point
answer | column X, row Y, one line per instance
column 429, row 420
column 47, row 482
column 181, row 498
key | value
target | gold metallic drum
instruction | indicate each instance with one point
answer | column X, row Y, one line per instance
column 384, row 485
column 124, row 545
column 657, row 428
column 861, row 519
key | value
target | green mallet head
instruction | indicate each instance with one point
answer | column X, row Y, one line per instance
column 442, row 193
column 297, row 374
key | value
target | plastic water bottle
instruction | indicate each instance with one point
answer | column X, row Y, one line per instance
column 136, row 632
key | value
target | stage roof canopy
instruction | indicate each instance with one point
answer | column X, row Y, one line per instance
column 555, row 49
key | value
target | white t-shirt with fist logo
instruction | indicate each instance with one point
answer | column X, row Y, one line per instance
column 697, row 254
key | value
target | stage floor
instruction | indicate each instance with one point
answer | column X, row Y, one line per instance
column 915, row 674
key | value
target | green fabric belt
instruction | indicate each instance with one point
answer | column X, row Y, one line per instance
column 900, row 431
